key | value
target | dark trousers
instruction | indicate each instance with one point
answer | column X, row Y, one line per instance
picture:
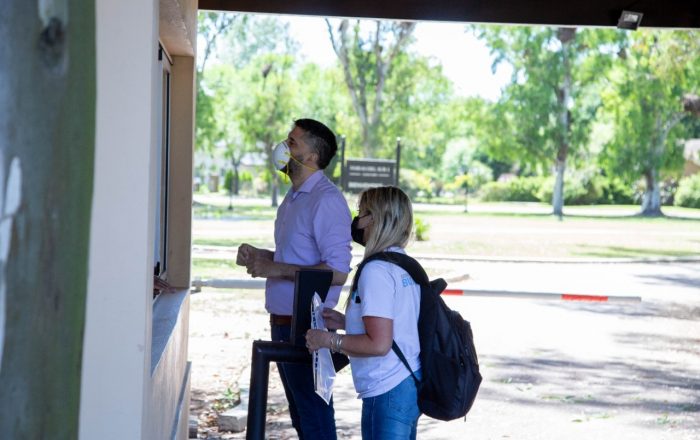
column 312, row 418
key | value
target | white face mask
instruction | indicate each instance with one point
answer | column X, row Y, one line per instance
column 281, row 155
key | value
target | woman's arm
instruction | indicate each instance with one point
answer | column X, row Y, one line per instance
column 375, row 342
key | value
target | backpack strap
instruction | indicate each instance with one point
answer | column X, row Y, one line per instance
column 409, row 264
column 399, row 353
column 415, row 270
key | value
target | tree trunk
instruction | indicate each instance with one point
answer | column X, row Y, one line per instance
column 558, row 193
column 651, row 201
column 368, row 113
column 235, row 176
column 47, row 146
column 236, row 180
column 274, row 178
column 566, row 36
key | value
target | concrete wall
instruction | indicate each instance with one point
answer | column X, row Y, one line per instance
column 182, row 145
column 169, row 367
column 135, row 375
column 116, row 350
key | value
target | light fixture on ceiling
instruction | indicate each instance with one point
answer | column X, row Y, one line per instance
column 629, row 20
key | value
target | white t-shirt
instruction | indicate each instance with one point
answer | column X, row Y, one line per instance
column 386, row 291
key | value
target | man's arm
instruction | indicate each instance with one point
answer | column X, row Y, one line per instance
column 266, row 268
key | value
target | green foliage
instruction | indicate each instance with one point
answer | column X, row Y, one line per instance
column 615, row 192
column 519, row 189
column 545, row 114
column 580, row 188
column 367, row 51
column 415, row 183
column 643, row 102
column 688, row 193
column 229, row 399
column 420, row 228
column 246, row 177
column 228, row 181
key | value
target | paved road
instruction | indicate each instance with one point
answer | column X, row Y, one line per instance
column 562, row 370
column 556, row 370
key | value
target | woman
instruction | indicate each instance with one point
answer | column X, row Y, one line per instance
column 383, row 308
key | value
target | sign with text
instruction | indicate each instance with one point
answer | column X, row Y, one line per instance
column 361, row 174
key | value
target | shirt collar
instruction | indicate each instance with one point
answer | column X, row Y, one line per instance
column 309, row 183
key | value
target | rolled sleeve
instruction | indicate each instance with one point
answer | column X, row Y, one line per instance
column 332, row 232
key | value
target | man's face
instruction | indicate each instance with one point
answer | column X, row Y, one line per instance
column 300, row 150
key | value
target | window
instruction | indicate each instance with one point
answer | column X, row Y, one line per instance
column 162, row 164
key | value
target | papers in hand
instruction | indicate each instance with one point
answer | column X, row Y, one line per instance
column 323, row 370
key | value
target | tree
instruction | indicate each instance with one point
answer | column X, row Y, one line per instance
column 47, row 148
column 648, row 100
column 264, row 113
column 366, row 60
column 212, row 27
column 550, row 102
column 225, row 129
column 248, row 97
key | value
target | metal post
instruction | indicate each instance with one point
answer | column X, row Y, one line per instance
column 265, row 352
column 343, row 183
column 398, row 159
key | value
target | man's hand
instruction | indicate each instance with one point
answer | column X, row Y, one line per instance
column 260, row 266
column 245, row 254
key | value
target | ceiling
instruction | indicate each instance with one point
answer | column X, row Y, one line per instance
column 657, row 13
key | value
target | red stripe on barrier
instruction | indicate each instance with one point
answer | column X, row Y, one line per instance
column 452, row 292
column 570, row 297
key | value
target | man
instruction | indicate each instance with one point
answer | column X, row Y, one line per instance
column 312, row 231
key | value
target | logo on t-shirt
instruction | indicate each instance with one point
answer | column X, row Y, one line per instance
column 406, row 281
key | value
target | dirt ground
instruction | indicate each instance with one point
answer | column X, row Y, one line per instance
column 552, row 370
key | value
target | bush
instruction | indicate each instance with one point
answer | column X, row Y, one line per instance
column 578, row 190
column 478, row 175
column 590, row 190
column 688, row 193
column 415, row 183
column 421, row 228
column 616, row 192
column 520, row 189
column 228, row 181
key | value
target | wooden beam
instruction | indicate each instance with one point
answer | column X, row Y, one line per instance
column 666, row 14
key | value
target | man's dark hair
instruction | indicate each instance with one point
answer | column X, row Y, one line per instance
column 320, row 138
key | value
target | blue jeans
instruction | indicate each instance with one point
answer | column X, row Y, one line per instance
column 392, row 415
column 311, row 417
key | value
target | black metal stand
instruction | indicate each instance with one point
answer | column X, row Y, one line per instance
column 265, row 352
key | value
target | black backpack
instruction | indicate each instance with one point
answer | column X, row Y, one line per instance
column 449, row 364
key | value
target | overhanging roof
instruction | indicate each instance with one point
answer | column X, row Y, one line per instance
column 657, row 13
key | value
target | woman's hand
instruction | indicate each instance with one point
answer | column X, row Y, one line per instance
column 334, row 320
column 316, row 339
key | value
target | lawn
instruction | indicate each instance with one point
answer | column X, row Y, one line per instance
column 496, row 230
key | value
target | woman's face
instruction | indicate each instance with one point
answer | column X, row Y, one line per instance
column 364, row 222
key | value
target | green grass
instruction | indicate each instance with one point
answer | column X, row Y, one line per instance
column 495, row 230
column 539, row 236
column 239, row 212
column 216, row 268
column 627, row 252
column 231, row 242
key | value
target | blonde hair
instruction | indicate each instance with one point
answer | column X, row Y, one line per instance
column 392, row 218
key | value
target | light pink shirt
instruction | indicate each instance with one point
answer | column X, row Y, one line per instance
column 312, row 227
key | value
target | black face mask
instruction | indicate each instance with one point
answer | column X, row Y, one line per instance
column 357, row 233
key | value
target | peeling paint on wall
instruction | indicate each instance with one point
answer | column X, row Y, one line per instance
column 10, row 199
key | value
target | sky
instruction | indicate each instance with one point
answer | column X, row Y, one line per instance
column 465, row 59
